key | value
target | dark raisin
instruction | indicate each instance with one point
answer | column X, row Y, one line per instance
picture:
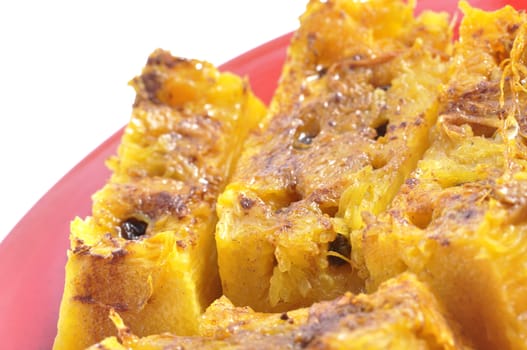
column 342, row 246
column 306, row 131
column 381, row 130
column 133, row 228
column 246, row 203
column 284, row 316
column 321, row 70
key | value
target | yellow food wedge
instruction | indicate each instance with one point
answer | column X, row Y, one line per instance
column 148, row 249
column 402, row 314
column 460, row 220
column 348, row 123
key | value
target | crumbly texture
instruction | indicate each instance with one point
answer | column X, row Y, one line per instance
column 402, row 314
column 459, row 220
column 348, row 122
column 381, row 202
column 148, row 249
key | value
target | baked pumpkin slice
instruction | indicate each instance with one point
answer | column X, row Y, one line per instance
column 347, row 124
column 460, row 221
column 402, row 314
column 148, row 248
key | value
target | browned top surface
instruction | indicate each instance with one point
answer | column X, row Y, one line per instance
column 402, row 310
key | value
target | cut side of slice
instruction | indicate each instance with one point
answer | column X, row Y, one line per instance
column 148, row 249
column 402, row 314
column 347, row 125
column 460, row 221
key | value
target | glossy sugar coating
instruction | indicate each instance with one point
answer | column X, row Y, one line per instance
column 347, row 124
column 402, row 314
column 389, row 162
column 148, row 249
column 459, row 221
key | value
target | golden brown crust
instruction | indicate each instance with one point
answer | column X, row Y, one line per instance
column 148, row 249
column 370, row 107
column 402, row 314
column 459, row 220
column 347, row 123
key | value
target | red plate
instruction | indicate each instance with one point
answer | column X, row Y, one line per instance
column 33, row 255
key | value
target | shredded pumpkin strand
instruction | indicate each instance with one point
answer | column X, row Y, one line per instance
column 515, row 74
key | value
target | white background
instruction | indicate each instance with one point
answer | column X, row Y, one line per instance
column 65, row 65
